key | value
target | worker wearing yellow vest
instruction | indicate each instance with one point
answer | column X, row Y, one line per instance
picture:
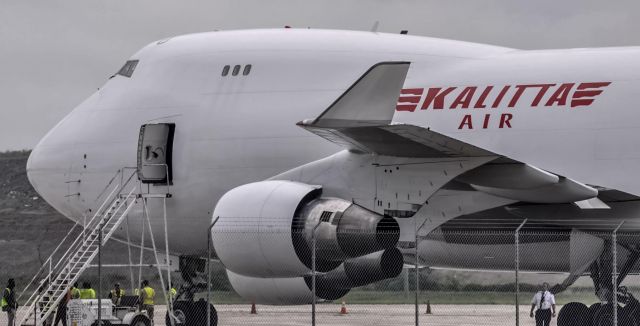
column 172, row 292
column 147, row 294
column 87, row 292
column 116, row 294
column 75, row 292
column 8, row 303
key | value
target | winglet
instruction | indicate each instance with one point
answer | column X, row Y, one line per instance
column 370, row 101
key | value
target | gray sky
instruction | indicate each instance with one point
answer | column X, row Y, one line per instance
column 54, row 54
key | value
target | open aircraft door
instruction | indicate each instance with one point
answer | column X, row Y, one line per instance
column 155, row 147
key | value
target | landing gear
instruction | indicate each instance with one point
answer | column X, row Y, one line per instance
column 186, row 311
column 602, row 314
column 573, row 314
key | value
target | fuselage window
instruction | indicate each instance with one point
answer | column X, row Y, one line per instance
column 247, row 70
column 128, row 68
column 236, row 70
column 225, row 70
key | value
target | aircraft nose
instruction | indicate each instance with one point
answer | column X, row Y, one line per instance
column 32, row 163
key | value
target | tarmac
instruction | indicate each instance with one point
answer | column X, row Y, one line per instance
column 362, row 314
column 369, row 315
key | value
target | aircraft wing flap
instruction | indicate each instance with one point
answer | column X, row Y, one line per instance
column 399, row 140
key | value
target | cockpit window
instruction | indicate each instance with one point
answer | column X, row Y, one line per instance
column 128, row 68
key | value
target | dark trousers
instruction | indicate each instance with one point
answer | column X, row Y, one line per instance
column 61, row 316
column 543, row 317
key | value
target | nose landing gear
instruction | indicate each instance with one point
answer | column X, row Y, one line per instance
column 187, row 311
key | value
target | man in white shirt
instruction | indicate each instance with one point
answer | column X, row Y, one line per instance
column 545, row 303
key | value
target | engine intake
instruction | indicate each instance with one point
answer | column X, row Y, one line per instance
column 265, row 230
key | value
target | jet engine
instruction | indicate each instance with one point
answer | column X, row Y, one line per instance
column 265, row 230
column 329, row 286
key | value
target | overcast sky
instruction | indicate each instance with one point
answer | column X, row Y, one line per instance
column 55, row 53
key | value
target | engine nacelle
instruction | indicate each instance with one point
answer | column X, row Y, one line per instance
column 363, row 270
column 281, row 291
column 329, row 286
column 265, row 230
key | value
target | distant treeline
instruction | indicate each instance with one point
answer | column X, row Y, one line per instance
column 20, row 153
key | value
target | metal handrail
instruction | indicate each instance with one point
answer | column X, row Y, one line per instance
column 46, row 262
column 66, row 257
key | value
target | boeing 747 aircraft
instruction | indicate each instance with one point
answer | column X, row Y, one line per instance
column 363, row 136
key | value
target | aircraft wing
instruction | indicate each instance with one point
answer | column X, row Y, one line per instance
column 401, row 140
column 360, row 121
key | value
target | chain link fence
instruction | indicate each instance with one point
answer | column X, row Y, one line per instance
column 270, row 272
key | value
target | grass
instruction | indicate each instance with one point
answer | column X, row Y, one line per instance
column 435, row 297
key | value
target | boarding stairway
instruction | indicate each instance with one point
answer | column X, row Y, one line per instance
column 49, row 286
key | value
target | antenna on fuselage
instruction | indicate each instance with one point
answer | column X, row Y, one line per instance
column 374, row 28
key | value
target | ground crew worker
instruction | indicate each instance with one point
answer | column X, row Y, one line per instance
column 147, row 294
column 545, row 302
column 61, row 314
column 172, row 292
column 8, row 303
column 87, row 292
column 75, row 292
column 116, row 294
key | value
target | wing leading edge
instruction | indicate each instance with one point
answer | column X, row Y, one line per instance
column 360, row 121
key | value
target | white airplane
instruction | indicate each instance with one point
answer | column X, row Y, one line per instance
column 366, row 136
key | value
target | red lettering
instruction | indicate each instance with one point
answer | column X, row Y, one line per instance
column 482, row 98
column 543, row 90
column 485, row 124
column 409, row 95
column 585, row 93
column 500, row 96
column 436, row 97
column 464, row 99
column 466, row 121
column 519, row 90
column 505, row 120
column 560, row 96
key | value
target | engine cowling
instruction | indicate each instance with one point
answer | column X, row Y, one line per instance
column 265, row 230
column 329, row 286
column 280, row 291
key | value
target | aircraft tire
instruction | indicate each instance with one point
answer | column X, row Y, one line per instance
column 181, row 309
column 604, row 316
column 573, row 314
column 198, row 315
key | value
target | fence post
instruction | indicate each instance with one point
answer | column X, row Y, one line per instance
column 417, row 276
column 208, row 274
column 100, row 276
column 614, row 273
column 517, row 268
column 313, row 273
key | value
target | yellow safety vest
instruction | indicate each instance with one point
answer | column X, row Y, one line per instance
column 4, row 302
column 149, row 294
column 75, row 293
column 172, row 293
column 87, row 294
column 116, row 294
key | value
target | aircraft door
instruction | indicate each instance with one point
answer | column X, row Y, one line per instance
column 155, row 146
